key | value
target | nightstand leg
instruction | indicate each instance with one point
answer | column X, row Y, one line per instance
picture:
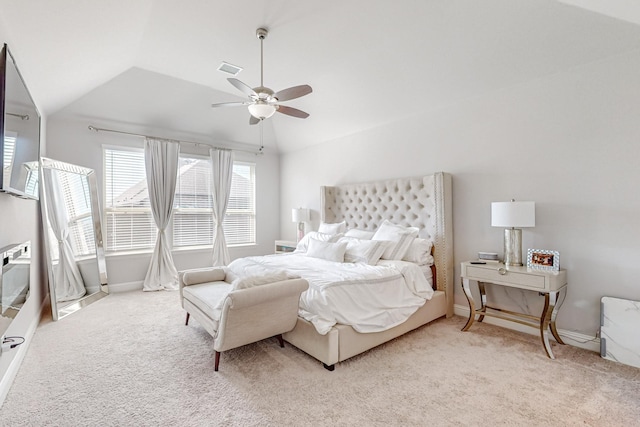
column 483, row 299
column 472, row 306
column 545, row 318
column 554, row 313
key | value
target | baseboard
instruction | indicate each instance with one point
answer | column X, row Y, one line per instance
column 21, row 352
column 125, row 287
column 569, row 337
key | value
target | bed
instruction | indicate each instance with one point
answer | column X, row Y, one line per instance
column 421, row 202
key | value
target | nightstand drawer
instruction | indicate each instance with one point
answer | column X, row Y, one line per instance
column 510, row 277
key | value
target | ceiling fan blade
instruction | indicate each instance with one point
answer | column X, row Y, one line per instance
column 253, row 120
column 293, row 92
column 242, row 87
column 292, row 112
column 229, row 104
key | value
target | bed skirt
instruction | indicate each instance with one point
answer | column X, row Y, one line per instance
column 343, row 342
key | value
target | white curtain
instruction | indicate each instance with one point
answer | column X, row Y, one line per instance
column 222, row 173
column 68, row 281
column 161, row 164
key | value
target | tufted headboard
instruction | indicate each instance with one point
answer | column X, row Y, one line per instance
column 423, row 202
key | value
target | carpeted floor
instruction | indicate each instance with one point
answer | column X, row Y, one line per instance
column 129, row 360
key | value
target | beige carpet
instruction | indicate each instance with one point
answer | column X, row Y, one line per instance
column 129, row 360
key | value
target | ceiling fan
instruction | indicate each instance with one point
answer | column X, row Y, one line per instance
column 264, row 102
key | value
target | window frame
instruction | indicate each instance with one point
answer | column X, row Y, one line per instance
column 170, row 229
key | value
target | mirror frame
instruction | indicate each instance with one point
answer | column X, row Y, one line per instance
column 5, row 58
column 59, row 313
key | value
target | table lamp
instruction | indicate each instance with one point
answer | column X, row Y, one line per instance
column 513, row 215
column 300, row 216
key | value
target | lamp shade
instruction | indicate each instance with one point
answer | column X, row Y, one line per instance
column 261, row 110
column 300, row 215
column 513, row 214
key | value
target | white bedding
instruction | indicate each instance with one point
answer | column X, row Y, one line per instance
column 368, row 298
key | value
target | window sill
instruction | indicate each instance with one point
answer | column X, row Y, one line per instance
column 146, row 252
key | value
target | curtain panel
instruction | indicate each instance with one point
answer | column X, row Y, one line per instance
column 161, row 164
column 68, row 280
column 221, row 176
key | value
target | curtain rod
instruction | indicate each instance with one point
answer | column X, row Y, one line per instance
column 197, row 144
column 20, row 116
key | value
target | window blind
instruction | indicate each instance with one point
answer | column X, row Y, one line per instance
column 128, row 217
column 9, row 148
column 192, row 222
column 130, row 225
column 75, row 190
column 240, row 220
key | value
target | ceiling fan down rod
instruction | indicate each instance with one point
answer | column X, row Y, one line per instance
column 261, row 33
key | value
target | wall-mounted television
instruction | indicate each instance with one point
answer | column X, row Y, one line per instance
column 19, row 132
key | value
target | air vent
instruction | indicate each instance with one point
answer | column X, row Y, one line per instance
column 225, row 67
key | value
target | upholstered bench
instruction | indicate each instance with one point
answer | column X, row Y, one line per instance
column 241, row 311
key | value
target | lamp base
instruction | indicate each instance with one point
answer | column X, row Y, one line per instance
column 513, row 247
column 300, row 231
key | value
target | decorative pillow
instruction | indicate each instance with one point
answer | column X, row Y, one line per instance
column 367, row 251
column 336, row 228
column 399, row 236
column 252, row 281
column 194, row 277
column 304, row 242
column 419, row 252
column 359, row 234
column 327, row 250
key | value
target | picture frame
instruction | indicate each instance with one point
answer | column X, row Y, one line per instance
column 543, row 259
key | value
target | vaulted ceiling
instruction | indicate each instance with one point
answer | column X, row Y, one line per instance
column 369, row 62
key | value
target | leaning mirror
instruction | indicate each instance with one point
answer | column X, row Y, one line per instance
column 73, row 236
column 19, row 130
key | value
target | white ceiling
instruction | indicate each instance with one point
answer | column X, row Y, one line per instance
column 369, row 61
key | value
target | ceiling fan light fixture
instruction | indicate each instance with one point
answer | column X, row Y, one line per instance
column 261, row 110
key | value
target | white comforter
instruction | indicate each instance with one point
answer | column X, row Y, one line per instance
column 369, row 298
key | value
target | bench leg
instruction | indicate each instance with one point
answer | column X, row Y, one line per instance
column 186, row 322
column 280, row 340
column 215, row 368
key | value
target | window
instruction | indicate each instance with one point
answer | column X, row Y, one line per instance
column 9, row 148
column 192, row 222
column 130, row 225
column 240, row 219
column 75, row 190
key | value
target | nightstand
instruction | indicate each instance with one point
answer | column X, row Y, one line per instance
column 547, row 283
column 285, row 246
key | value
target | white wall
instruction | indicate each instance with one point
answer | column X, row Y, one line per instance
column 70, row 140
column 19, row 222
column 569, row 142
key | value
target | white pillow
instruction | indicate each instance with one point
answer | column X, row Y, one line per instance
column 336, row 228
column 419, row 252
column 304, row 242
column 327, row 250
column 367, row 251
column 399, row 236
column 251, row 281
column 359, row 234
